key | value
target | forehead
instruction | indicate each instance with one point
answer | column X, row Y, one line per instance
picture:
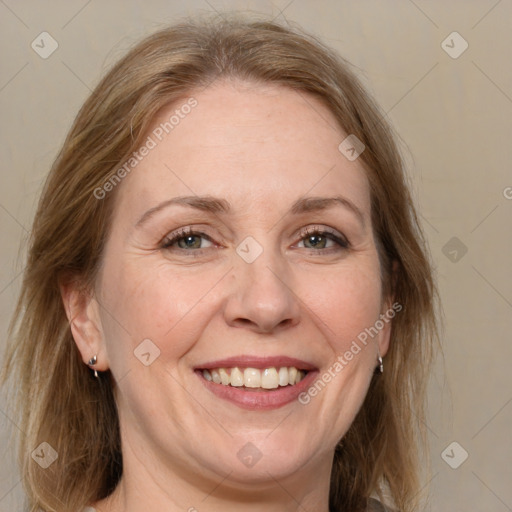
column 245, row 141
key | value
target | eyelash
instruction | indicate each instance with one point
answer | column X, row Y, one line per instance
column 342, row 242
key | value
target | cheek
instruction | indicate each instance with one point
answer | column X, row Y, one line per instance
column 348, row 302
column 144, row 302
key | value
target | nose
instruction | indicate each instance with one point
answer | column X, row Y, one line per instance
column 261, row 296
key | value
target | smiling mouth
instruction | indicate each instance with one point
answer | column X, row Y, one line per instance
column 255, row 379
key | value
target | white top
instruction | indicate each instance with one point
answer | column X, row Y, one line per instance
column 373, row 506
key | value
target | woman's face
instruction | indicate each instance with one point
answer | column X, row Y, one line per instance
column 241, row 246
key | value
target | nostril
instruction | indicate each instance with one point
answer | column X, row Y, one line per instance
column 244, row 321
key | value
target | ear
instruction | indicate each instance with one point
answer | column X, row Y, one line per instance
column 390, row 308
column 82, row 310
column 384, row 337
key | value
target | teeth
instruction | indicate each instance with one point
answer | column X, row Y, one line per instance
column 292, row 374
column 215, row 376
column 236, row 378
column 252, row 378
column 283, row 376
column 224, row 376
column 268, row 378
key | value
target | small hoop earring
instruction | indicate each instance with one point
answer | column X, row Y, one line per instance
column 92, row 362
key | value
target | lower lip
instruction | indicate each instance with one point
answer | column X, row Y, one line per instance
column 259, row 400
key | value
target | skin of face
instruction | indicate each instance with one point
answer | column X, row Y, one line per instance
column 260, row 148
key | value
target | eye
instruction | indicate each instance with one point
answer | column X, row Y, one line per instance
column 187, row 239
column 315, row 239
column 319, row 238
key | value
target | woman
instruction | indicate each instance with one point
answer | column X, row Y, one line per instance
column 227, row 301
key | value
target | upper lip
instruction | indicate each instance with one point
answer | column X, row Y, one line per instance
column 257, row 362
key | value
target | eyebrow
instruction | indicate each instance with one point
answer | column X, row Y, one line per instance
column 215, row 205
column 313, row 204
column 204, row 203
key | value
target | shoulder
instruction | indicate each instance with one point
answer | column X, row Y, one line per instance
column 376, row 506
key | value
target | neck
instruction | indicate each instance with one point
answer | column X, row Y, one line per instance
column 152, row 487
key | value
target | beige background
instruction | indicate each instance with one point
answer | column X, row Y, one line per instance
column 454, row 115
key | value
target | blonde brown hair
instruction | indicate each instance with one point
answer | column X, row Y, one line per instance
column 59, row 401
